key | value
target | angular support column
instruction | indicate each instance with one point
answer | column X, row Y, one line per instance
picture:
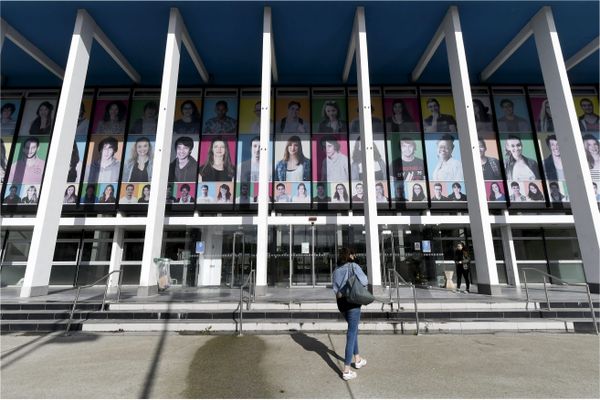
column 41, row 253
column 162, row 153
column 481, row 231
column 116, row 256
column 579, row 181
column 368, row 159
column 177, row 34
column 510, row 257
column 262, row 234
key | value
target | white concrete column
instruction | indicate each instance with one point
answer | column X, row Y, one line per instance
column 43, row 242
column 262, row 234
column 579, row 181
column 162, row 153
column 510, row 257
column 116, row 256
column 481, row 231
column 366, row 139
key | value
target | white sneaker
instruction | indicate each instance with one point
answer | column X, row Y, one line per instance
column 349, row 375
column 361, row 363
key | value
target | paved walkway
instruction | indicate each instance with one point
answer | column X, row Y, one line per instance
column 298, row 366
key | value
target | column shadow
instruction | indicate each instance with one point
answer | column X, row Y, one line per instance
column 311, row 344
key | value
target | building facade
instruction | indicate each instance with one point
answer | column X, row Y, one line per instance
column 275, row 175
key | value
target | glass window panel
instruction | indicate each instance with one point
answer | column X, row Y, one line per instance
column 563, row 249
column 11, row 274
column 569, row 272
column 133, row 251
column 529, row 250
column 63, row 274
column 96, row 251
column 66, row 251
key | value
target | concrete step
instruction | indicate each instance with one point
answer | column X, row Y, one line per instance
column 398, row 327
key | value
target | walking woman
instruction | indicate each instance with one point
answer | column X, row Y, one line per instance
column 350, row 311
column 462, row 262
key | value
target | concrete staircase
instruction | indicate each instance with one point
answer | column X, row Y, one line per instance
column 457, row 316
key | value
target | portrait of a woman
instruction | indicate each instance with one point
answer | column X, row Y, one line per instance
column 400, row 121
column 340, row 195
column 495, row 193
column 534, row 194
column 145, row 194
column 218, row 166
column 108, row 196
column 294, row 166
column 418, row 194
column 113, row 121
column 138, row 167
column 42, row 124
column 70, row 197
column 224, row 195
column 331, row 122
column 31, row 197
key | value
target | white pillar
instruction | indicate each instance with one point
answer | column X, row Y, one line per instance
column 162, row 153
column 262, row 234
column 116, row 256
column 481, row 231
column 43, row 242
column 366, row 139
column 510, row 257
column 577, row 174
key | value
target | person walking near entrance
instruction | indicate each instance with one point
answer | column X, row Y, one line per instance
column 350, row 311
column 462, row 262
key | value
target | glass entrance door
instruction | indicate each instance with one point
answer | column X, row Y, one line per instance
column 302, row 255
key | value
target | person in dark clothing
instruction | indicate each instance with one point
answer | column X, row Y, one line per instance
column 462, row 262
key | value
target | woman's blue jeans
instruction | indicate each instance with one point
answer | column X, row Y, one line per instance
column 352, row 316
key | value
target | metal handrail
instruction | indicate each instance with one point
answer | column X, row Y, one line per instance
column 250, row 283
column 564, row 283
column 400, row 281
column 105, row 277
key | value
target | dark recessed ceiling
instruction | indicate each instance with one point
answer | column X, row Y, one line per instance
column 311, row 40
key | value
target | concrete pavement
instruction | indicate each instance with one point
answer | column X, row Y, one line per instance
column 297, row 365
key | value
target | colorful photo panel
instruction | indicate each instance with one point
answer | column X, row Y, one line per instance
column 511, row 114
column 401, row 114
column 293, row 114
column 110, row 117
column 438, row 114
column 220, row 115
column 445, row 167
column 217, row 158
column 187, row 117
column 376, row 114
column 9, row 114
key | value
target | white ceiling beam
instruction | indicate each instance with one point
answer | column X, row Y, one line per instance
column 584, row 53
column 112, row 50
column 437, row 39
column 274, row 70
column 191, row 48
column 508, row 51
column 350, row 54
column 29, row 48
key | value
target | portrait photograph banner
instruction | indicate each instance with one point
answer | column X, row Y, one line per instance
column 521, row 167
column 144, row 116
column 103, row 164
column 553, row 167
column 250, row 110
column 10, row 108
column 438, row 113
column 402, row 114
column 292, row 114
column 71, row 193
column 38, row 117
column 511, row 113
column 217, row 158
column 188, row 120
column 587, row 110
column 183, row 167
column 110, row 116
column 376, row 114
column 29, row 160
column 220, row 115
column 139, row 158
column 329, row 115
column 445, row 167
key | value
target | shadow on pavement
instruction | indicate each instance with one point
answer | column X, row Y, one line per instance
column 311, row 344
column 229, row 367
